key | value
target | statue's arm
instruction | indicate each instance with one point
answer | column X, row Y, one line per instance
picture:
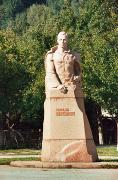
column 51, row 79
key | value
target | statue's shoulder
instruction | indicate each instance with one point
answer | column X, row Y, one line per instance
column 50, row 53
column 49, row 56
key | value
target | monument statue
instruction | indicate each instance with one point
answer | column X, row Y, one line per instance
column 62, row 66
column 67, row 135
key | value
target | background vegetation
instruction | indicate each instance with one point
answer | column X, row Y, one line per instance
column 27, row 31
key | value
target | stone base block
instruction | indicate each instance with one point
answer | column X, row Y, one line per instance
column 69, row 151
column 67, row 136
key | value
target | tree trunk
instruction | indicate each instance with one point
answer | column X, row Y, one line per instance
column 101, row 141
column 117, row 132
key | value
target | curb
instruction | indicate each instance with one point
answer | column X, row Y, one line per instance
column 78, row 165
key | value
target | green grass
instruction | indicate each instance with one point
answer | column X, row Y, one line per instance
column 107, row 151
column 102, row 151
column 6, row 161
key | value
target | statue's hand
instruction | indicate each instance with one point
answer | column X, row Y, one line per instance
column 77, row 79
column 62, row 88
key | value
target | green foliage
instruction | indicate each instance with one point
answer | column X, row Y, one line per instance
column 19, row 24
column 13, row 74
column 92, row 27
column 55, row 6
column 31, row 51
column 9, row 9
column 97, row 34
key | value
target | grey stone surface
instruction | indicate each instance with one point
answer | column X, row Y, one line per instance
column 18, row 156
column 14, row 173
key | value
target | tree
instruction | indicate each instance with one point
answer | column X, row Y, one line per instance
column 9, row 9
column 14, row 75
column 93, row 28
column 32, row 51
column 97, row 32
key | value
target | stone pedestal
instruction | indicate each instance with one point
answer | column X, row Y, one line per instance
column 67, row 135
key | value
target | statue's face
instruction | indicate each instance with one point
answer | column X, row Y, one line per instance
column 62, row 41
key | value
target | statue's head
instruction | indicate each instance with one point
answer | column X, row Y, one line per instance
column 62, row 40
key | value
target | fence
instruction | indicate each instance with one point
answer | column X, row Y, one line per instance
column 13, row 139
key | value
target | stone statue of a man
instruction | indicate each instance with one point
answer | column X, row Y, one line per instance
column 62, row 66
column 67, row 135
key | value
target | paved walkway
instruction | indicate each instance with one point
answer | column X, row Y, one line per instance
column 15, row 173
column 108, row 157
column 18, row 156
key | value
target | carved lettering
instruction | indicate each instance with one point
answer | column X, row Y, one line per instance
column 64, row 112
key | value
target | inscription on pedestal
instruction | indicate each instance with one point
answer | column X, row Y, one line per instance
column 64, row 112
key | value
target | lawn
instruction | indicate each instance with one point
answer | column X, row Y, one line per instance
column 102, row 151
column 6, row 161
column 107, row 151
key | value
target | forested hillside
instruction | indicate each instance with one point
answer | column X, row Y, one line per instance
column 27, row 31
